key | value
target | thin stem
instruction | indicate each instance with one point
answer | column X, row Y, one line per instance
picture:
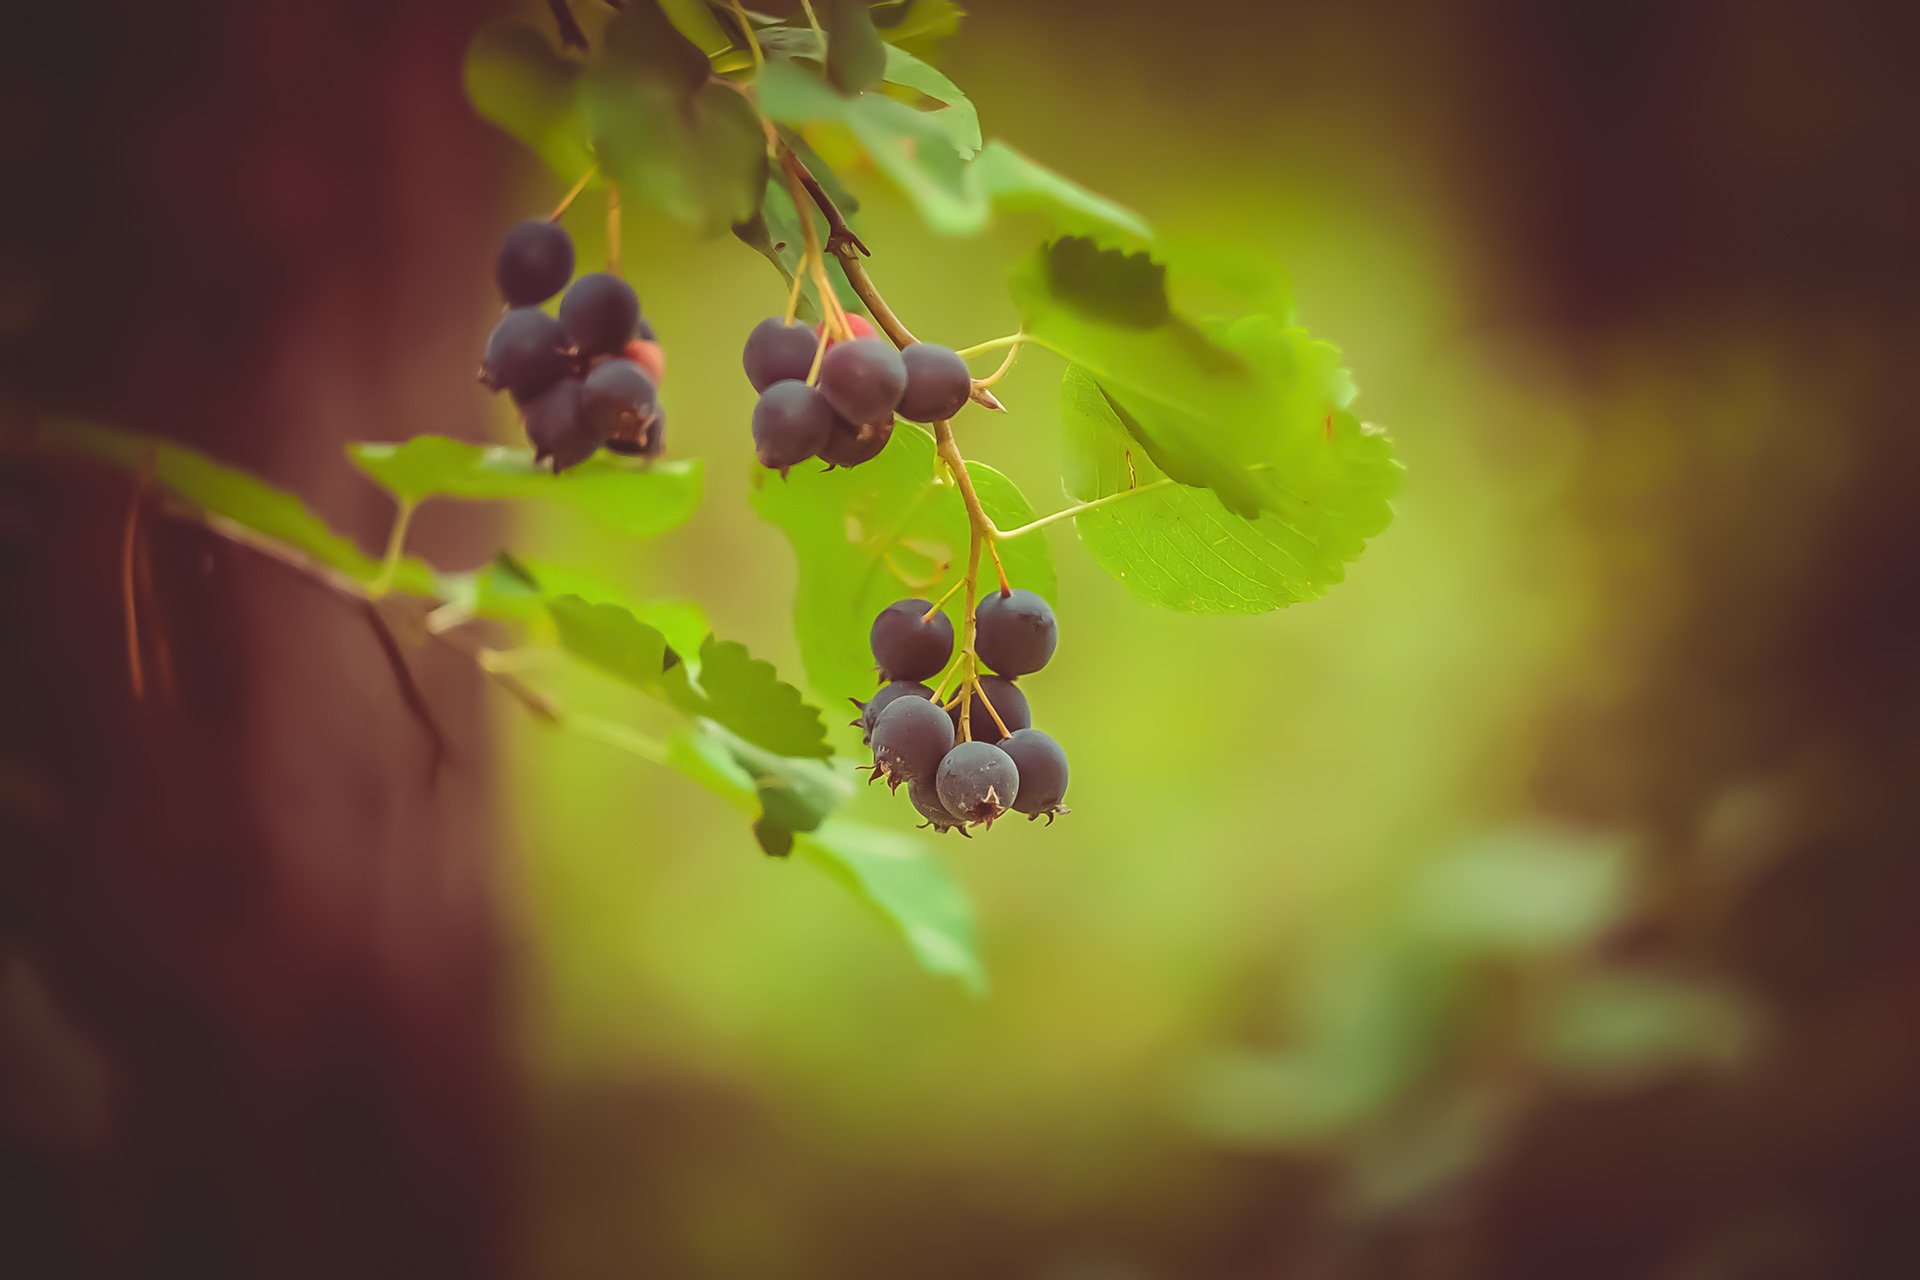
column 992, row 344
column 613, row 229
column 753, row 41
column 833, row 317
column 793, row 296
column 811, row 20
column 819, row 354
column 129, row 596
column 944, row 597
column 567, row 200
column 1067, row 513
column 1006, row 366
column 396, row 547
column 971, row 682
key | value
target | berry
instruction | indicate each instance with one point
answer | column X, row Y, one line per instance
column 535, row 260
column 777, row 351
column 908, row 644
column 926, row 798
column 938, row 382
column 599, row 312
column 651, row 445
column 790, row 424
column 910, row 738
column 1043, row 772
column 619, row 402
column 849, row 446
column 1014, row 632
column 977, row 782
column 863, row 379
column 1006, row 699
column 643, row 331
column 860, row 326
column 527, row 352
column 649, row 355
column 870, row 709
column 556, row 428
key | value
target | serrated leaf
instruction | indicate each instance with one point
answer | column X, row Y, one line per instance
column 611, row 640
column 234, row 495
column 636, row 498
column 856, row 55
column 1179, row 547
column 517, row 79
column 884, row 531
column 516, row 590
column 746, row 696
column 1253, row 409
column 792, row 794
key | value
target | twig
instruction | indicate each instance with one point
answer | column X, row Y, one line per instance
column 410, row 692
column 571, row 35
column 129, row 598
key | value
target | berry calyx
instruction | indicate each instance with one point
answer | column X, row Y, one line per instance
column 849, row 446
column 977, row 782
column 1014, row 632
column 910, row 738
column 777, row 351
column 1043, row 772
column 527, row 352
column 926, row 799
column 599, row 312
column 1006, row 699
column 790, row 424
column 908, row 644
column 619, row 402
column 938, row 382
column 863, row 379
column 870, row 709
column 535, row 261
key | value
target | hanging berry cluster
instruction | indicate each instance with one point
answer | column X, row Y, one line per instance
column 585, row 379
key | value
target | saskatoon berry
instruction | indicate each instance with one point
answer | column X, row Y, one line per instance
column 908, row 644
column 535, row 260
column 1043, row 772
column 652, row 444
column 557, row 429
column 926, row 798
column 870, row 709
column 938, row 382
column 643, row 330
column 527, row 352
column 649, row 355
column 618, row 401
column 790, row 424
column 909, row 740
column 599, row 313
column 1014, row 632
column 1006, row 698
column 977, row 782
column 777, row 351
column 863, row 379
column 849, row 446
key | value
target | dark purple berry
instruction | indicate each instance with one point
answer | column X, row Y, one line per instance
column 1043, row 772
column 600, row 313
column 619, row 402
column 527, row 352
column 977, row 782
column 1006, row 699
column 862, row 379
column 870, row 709
column 909, row 740
column 535, row 261
column 938, row 382
column 777, row 351
column 909, row 645
column 652, row 444
column 556, row 428
column 1014, row 632
column 849, row 446
column 926, row 799
column 643, row 330
column 790, row 424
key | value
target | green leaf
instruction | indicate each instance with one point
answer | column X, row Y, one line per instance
column 921, row 26
column 1178, row 546
column 958, row 116
column 636, row 498
column 869, row 535
column 233, row 495
column 517, row 79
column 1010, row 180
column 515, row 590
column 1252, row 408
column 747, row 696
column 856, row 56
column 608, row 638
column 792, row 795
column 692, row 19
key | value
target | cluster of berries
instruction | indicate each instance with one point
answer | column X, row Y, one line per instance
column 585, row 379
column 835, row 400
column 1000, row 761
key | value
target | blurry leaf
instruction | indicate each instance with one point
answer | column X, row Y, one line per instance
column 702, row 161
column 776, row 235
column 692, row 19
column 518, row 590
column 517, row 79
column 856, row 55
column 1009, row 180
column 1617, row 1031
column 791, row 794
column 1178, row 546
column 607, row 637
column 1519, row 891
column 646, row 47
column 233, row 494
column 1252, row 409
column 921, row 26
column 638, row 499
column 746, row 696
column 869, row 535
column 958, row 117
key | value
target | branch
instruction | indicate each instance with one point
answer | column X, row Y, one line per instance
column 410, row 692
column 571, row 36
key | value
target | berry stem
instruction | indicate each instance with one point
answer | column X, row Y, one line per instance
column 1078, row 508
column 753, row 41
column 992, row 344
column 396, row 547
column 1006, row 367
column 613, row 229
column 567, row 200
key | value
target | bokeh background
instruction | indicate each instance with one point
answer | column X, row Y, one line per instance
column 1536, row 904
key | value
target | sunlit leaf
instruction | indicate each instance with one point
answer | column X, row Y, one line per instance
column 517, row 590
column 921, row 26
column 1009, row 179
column 856, row 55
column 636, row 498
column 884, row 531
column 692, row 19
column 517, row 79
column 746, row 695
column 612, row 640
